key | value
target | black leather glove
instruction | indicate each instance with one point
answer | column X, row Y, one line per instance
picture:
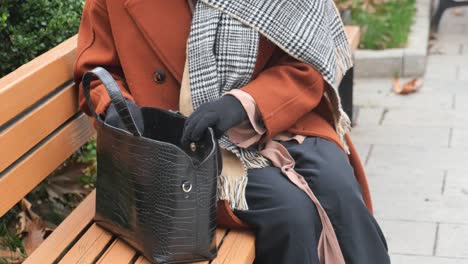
column 220, row 115
column 112, row 117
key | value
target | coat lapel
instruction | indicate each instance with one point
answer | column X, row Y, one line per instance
column 166, row 26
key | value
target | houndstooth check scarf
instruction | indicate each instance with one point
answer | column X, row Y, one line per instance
column 223, row 48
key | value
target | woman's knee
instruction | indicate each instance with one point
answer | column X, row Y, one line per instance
column 278, row 204
column 291, row 231
column 327, row 170
column 297, row 218
column 337, row 188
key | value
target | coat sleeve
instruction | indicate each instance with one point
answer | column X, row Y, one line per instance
column 285, row 91
column 96, row 48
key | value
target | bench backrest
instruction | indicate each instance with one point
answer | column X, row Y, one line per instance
column 40, row 122
column 353, row 34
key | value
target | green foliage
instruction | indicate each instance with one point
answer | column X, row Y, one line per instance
column 8, row 239
column 87, row 155
column 385, row 25
column 31, row 27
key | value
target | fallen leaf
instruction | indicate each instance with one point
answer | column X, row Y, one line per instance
column 458, row 11
column 407, row 88
column 35, row 233
column 66, row 183
column 24, row 216
column 21, row 224
column 31, row 227
column 25, row 205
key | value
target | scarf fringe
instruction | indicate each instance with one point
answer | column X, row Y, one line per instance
column 343, row 127
column 233, row 189
column 344, row 59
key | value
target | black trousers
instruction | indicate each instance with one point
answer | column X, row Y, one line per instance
column 286, row 221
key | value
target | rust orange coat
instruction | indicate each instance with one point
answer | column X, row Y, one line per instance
column 143, row 44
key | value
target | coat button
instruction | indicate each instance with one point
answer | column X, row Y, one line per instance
column 159, row 76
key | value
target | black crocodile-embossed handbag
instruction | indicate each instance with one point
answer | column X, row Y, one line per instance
column 152, row 192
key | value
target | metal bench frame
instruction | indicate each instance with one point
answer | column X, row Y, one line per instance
column 444, row 5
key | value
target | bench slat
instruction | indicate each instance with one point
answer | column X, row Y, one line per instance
column 93, row 242
column 28, row 173
column 34, row 80
column 118, row 252
column 238, row 247
column 32, row 128
column 353, row 35
column 142, row 260
column 66, row 233
column 220, row 233
column 88, row 248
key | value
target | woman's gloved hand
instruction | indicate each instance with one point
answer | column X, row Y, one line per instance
column 220, row 115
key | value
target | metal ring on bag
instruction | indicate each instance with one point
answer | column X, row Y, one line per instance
column 193, row 147
column 186, row 186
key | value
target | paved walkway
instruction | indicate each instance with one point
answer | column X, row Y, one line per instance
column 416, row 153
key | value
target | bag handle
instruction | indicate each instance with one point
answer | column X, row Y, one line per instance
column 115, row 94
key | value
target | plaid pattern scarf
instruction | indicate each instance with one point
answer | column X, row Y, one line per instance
column 223, row 48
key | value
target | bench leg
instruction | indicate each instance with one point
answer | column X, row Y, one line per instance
column 346, row 92
column 444, row 5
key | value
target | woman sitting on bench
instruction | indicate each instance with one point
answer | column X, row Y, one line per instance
column 262, row 74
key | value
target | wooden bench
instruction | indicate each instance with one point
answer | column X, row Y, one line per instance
column 40, row 127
